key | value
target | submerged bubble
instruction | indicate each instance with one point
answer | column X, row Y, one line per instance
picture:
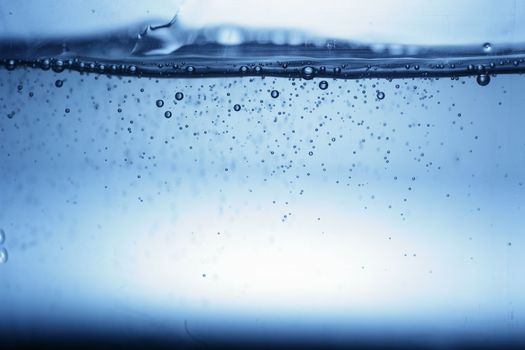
column 59, row 83
column 274, row 93
column 167, row 114
column 3, row 255
column 487, row 48
column 179, row 96
column 237, row 107
column 483, row 79
column 380, row 95
column 159, row 103
column 323, row 85
column 2, row 236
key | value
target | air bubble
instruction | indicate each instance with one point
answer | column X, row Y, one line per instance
column 3, row 255
column 243, row 69
column 190, row 69
column 59, row 83
column 237, row 107
column 179, row 96
column 45, row 64
column 308, row 72
column 10, row 64
column 159, row 103
column 167, row 114
column 483, row 79
column 380, row 95
column 274, row 93
column 323, row 85
column 58, row 66
column 487, row 48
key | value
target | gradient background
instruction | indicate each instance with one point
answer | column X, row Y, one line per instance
column 405, row 225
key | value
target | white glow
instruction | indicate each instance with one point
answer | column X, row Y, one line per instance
column 345, row 260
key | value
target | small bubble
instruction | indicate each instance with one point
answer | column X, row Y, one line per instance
column 45, row 64
column 380, row 95
column 179, row 96
column 487, row 48
column 274, row 93
column 58, row 66
column 3, row 255
column 132, row 69
column 243, row 69
column 323, row 85
column 59, row 83
column 167, row 114
column 308, row 72
column 10, row 64
column 310, row 153
column 2, row 236
column 67, row 110
column 159, row 103
column 237, row 107
column 190, row 69
column 483, row 79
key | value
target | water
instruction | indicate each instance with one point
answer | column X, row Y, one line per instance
column 211, row 188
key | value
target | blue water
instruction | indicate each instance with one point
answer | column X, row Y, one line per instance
column 271, row 194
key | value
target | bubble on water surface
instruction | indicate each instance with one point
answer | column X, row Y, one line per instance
column 308, row 73
column 3, row 255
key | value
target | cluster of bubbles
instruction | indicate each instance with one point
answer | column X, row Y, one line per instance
column 306, row 72
column 160, row 103
column 3, row 250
